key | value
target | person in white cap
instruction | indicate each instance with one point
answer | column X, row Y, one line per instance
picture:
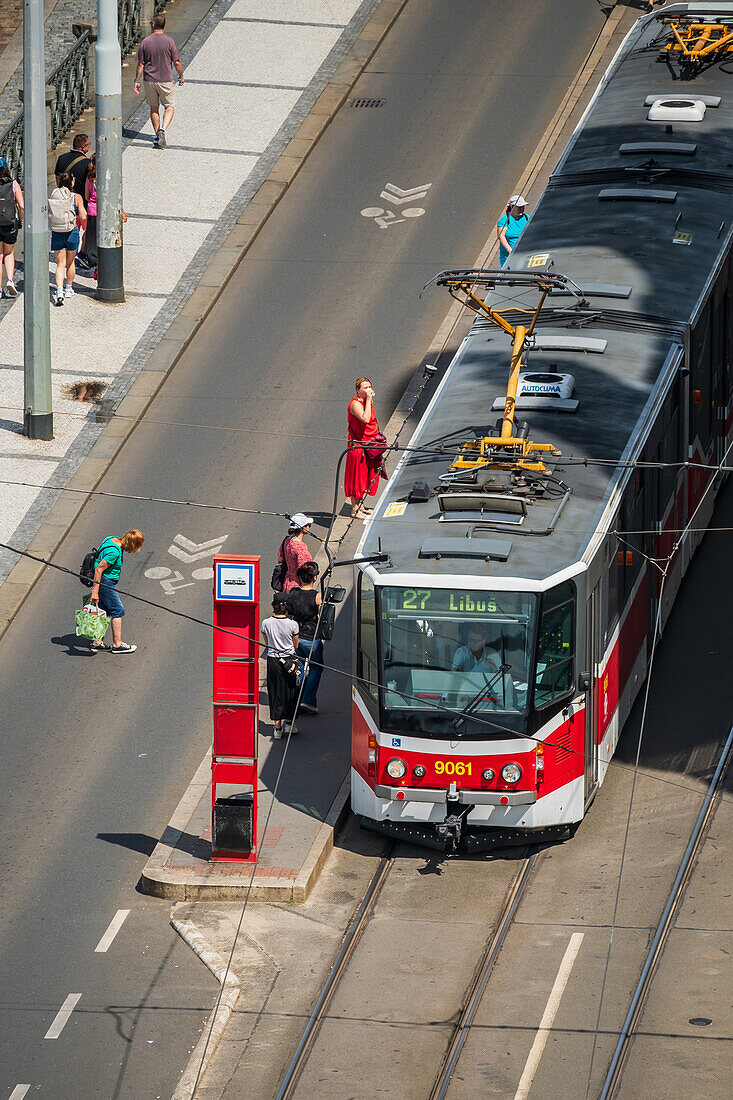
column 293, row 550
column 510, row 225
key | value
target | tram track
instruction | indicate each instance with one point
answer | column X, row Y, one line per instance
column 471, row 998
column 619, row 1058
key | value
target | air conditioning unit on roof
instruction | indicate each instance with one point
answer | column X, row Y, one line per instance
column 676, row 109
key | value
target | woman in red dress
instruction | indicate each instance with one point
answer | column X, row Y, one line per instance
column 362, row 473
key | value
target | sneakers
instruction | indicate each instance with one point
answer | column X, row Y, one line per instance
column 277, row 733
column 68, row 292
column 11, row 290
column 161, row 138
column 82, row 262
column 123, row 647
column 59, row 296
column 290, row 727
column 308, row 709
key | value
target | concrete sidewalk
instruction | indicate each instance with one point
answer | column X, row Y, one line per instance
column 262, row 82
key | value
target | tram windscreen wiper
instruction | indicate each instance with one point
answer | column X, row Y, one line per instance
column 481, row 694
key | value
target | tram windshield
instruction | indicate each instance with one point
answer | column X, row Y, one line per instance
column 456, row 649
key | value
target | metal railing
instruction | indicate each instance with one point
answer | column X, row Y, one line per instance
column 11, row 146
column 71, row 79
column 128, row 23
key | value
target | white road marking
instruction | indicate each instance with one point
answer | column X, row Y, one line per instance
column 175, row 583
column 114, row 926
column 19, row 1092
column 394, row 194
column 187, row 551
column 548, row 1016
column 206, row 573
column 62, row 1016
column 157, row 572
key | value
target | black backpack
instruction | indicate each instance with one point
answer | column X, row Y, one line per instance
column 86, row 573
column 7, row 204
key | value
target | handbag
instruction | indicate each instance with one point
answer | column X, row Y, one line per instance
column 292, row 667
column 377, row 447
column 280, row 572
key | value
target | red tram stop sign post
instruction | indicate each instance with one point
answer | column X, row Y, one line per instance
column 235, row 698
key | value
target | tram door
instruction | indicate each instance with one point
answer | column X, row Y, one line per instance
column 592, row 625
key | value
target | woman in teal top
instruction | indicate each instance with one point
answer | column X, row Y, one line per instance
column 107, row 568
column 510, row 225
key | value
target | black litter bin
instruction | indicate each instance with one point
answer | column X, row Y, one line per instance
column 232, row 829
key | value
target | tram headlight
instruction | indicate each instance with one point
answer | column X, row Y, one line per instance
column 487, row 774
column 396, row 768
column 419, row 772
column 511, row 773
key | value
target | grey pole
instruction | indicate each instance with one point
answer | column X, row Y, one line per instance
column 108, row 130
column 37, row 398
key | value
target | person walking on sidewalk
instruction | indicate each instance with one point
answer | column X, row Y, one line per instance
column 305, row 604
column 11, row 214
column 107, row 567
column 363, row 470
column 293, row 550
column 155, row 56
column 76, row 163
column 65, row 210
column 281, row 634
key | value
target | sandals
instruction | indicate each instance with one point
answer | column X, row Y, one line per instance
column 361, row 512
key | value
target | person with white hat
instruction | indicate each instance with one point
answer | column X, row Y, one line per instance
column 293, row 550
column 510, row 225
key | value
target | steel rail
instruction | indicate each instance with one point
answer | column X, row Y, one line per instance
column 348, row 946
column 481, row 976
column 687, row 866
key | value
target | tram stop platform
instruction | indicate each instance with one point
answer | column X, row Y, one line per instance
column 296, row 830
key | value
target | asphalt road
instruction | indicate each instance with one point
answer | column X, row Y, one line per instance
column 97, row 750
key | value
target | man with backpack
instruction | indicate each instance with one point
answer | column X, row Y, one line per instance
column 11, row 212
column 76, row 163
column 106, row 563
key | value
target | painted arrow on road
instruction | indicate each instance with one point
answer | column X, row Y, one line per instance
column 187, row 551
column 394, row 194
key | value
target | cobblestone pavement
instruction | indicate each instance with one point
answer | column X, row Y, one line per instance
column 59, row 40
column 11, row 16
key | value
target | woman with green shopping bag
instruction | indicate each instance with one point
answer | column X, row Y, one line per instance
column 107, row 567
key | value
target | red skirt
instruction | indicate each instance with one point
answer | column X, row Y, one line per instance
column 362, row 476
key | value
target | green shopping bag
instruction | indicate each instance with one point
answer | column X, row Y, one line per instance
column 91, row 622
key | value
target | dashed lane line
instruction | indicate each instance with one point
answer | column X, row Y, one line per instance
column 114, row 926
column 62, row 1016
column 19, row 1092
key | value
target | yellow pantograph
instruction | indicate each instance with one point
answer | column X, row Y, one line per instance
column 505, row 450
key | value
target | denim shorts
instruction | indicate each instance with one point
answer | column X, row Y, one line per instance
column 68, row 241
column 109, row 600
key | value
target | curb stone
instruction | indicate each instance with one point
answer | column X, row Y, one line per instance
column 215, row 277
column 204, row 1050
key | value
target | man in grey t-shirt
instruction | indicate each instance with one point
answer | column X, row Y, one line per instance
column 155, row 55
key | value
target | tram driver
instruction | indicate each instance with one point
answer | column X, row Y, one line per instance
column 478, row 659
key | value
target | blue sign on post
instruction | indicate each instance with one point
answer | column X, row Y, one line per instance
column 235, row 581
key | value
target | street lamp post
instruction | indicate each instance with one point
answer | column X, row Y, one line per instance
column 108, row 132
column 37, row 397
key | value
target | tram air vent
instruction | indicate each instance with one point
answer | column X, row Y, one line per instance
column 677, row 109
column 366, row 103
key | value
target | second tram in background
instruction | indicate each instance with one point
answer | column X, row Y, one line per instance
column 507, row 606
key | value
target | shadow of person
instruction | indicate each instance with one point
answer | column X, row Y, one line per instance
column 75, row 646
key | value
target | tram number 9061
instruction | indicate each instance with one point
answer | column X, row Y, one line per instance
column 452, row 767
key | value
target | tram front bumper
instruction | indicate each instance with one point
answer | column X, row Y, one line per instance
column 466, row 798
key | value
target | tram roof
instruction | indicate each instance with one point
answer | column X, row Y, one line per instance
column 596, row 240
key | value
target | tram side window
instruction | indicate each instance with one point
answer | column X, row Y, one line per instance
column 368, row 667
column 555, row 656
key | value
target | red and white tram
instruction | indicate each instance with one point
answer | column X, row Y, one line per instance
column 507, row 603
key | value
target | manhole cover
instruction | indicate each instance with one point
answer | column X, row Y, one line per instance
column 366, row 103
